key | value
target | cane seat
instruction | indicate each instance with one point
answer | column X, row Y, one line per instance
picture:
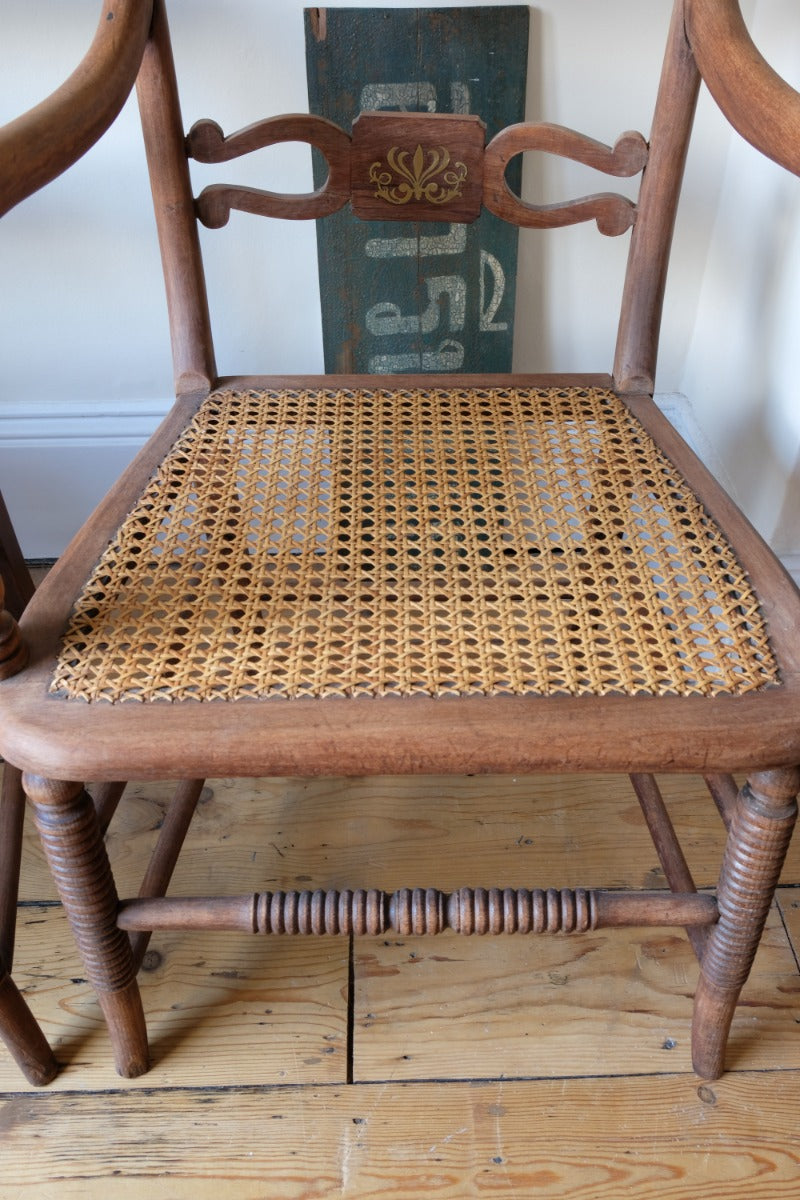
column 397, row 541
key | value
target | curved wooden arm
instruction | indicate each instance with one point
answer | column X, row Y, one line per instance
column 43, row 142
column 756, row 100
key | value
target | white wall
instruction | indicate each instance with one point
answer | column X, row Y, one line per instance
column 744, row 355
column 83, row 340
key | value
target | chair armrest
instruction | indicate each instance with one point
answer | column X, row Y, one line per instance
column 44, row 141
column 761, row 105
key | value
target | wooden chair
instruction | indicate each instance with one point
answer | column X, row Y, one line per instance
column 439, row 574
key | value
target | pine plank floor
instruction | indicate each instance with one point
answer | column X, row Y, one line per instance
column 448, row 1067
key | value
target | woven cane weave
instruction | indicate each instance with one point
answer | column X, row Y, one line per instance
column 464, row 541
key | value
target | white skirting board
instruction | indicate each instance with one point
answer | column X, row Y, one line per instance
column 56, row 463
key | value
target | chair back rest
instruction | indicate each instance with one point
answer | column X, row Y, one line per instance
column 422, row 167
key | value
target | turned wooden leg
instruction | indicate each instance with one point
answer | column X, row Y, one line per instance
column 22, row 1035
column 67, row 822
column 757, row 843
column 12, row 817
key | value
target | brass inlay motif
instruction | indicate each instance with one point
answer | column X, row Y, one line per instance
column 418, row 176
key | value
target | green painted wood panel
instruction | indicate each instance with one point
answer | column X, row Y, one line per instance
column 409, row 297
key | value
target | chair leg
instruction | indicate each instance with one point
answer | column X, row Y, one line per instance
column 22, row 1035
column 756, row 847
column 165, row 856
column 106, row 797
column 18, row 1029
column 70, row 832
column 12, row 816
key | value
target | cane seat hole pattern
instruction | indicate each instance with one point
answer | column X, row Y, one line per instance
column 442, row 541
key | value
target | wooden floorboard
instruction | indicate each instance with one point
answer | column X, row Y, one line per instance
column 789, row 904
column 222, row 1009
column 668, row 1137
column 563, row 830
column 505, row 1067
column 615, row 1003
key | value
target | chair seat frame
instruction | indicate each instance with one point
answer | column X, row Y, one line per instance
column 52, row 736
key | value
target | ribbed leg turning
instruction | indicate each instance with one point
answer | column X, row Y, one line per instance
column 68, row 825
column 757, row 843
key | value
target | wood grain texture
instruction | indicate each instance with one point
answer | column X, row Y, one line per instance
column 759, row 836
column 417, row 167
column 162, row 127
column 21, row 1034
column 668, row 1139
column 616, row 1003
column 222, row 1012
column 576, row 1011
column 668, row 847
column 613, row 213
column 529, row 994
column 289, row 833
column 789, row 904
column 761, row 105
column 251, row 1104
column 12, row 817
column 207, row 143
column 171, row 836
column 371, row 912
column 648, row 258
column 286, row 833
column 76, row 855
column 41, row 143
column 469, row 734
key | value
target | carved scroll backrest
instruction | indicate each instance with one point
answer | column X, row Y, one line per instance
column 418, row 166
